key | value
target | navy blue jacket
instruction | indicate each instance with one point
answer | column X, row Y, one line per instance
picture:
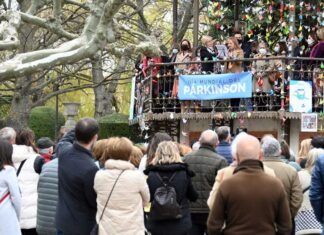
column 316, row 192
column 224, row 149
column 76, row 209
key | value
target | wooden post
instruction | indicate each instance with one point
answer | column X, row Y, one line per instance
column 236, row 15
column 195, row 23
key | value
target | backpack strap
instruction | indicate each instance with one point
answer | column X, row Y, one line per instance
column 162, row 181
column 20, row 166
column 306, row 189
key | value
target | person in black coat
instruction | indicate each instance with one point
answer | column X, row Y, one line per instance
column 77, row 207
column 166, row 164
column 207, row 53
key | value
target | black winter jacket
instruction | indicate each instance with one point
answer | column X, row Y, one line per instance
column 77, row 207
column 205, row 163
column 185, row 191
column 205, row 55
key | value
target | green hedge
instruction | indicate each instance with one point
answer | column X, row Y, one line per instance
column 42, row 121
column 117, row 125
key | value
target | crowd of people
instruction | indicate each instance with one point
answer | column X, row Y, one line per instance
column 220, row 185
column 268, row 74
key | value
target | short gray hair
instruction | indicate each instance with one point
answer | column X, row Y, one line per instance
column 208, row 137
column 223, row 132
column 270, row 147
column 8, row 133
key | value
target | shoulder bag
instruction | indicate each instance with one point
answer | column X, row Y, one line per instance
column 95, row 230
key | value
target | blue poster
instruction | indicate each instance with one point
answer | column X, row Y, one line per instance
column 300, row 96
column 215, row 86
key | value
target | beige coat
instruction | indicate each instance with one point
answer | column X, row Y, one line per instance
column 124, row 212
column 224, row 174
column 289, row 177
column 262, row 68
column 234, row 67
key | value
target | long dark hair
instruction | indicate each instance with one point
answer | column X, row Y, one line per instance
column 26, row 137
column 5, row 153
column 285, row 150
column 151, row 149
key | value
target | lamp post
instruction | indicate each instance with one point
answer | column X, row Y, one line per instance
column 55, row 89
column 175, row 23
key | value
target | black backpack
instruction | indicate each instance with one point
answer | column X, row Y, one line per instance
column 164, row 205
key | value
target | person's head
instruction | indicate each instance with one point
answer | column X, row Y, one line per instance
column 9, row 134
column 248, row 148
column 184, row 149
column 239, row 136
column 233, row 44
column 117, row 148
column 312, row 39
column 185, row 45
column 285, row 150
column 305, row 147
column 224, row 133
column 312, row 157
column 270, row 147
column 45, row 145
column 254, row 46
column 320, row 34
column 136, row 156
column 86, row 131
column 281, row 48
column 239, row 37
column 318, row 142
column 209, row 137
column 167, row 153
column 151, row 149
column 5, row 153
column 98, row 150
column 26, row 137
column 207, row 41
column 262, row 48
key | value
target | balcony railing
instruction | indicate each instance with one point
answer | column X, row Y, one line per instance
column 155, row 91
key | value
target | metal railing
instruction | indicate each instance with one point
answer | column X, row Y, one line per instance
column 156, row 93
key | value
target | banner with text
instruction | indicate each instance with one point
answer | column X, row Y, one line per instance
column 215, row 86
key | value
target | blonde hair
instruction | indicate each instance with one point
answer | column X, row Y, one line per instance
column 235, row 42
column 305, row 147
column 312, row 157
column 136, row 156
column 118, row 148
column 320, row 33
column 98, row 150
column 184, row 149
column 205, row 39
column 167, row 153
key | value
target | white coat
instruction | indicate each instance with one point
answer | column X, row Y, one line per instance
column 9, row 207
column 124, row 212
column 27, row 180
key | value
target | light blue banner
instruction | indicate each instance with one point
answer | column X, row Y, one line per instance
column 215, row 86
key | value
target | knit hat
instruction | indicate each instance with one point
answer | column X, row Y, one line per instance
column 44, row 143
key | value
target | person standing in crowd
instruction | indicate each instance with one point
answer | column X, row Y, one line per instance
column 207, row 53
column 286, row 173
column 311, row 42
column 227, row 172
column 156, row 139
column 76, row 208
column 205, row 163
column 167, row 168
column 45, row 147
column 10, row 197
column 286, row 155
column 260, row 69
column 305, row 219
column 136, row 156
column 224, row 146
column 245, row 46
column 305, row 147
column 184, row 56
column 250, row 202
column 47, row 198
column 97, row 152
column 318, row 49
column 9, row 134
column 27, row 179
column 316, row 191
column 121, row 191
column 318, row 142
column 280, row 49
